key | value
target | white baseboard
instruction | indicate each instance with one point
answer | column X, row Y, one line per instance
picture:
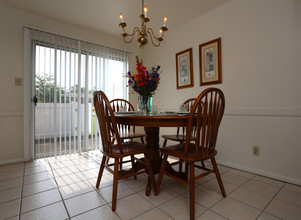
column 17, row 160
column 261, row 172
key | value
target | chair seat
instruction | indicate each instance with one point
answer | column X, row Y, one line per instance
column 131, row 135
column 180, row 138
column 178, row 151
column 129, row 148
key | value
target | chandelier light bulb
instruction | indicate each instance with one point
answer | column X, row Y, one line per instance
column 145, row 11
column 121, row 17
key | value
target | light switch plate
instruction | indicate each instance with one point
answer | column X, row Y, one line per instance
column 18, row 81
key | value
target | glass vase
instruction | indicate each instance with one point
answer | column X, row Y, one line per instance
column 145, row 103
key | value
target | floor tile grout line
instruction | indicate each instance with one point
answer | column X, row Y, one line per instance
column 38, row 207
column 240, row 186
column 289, row 203
column 92, row 210
column 210, row 208
column 57, row 186
column 269, row 183
column 21, row 200
column 11, row 178
column 180, row 194
column 218, row 213
column 95, row 189
column 274, row 197
column 61, row 195
column 155, row 206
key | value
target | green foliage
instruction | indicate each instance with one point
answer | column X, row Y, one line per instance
column 45, row 90
column 74, row 89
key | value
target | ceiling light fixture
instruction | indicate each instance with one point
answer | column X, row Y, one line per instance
column 144, row 33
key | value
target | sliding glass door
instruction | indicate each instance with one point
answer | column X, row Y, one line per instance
column 65, row 78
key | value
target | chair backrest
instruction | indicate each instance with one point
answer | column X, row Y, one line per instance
column 107, row 122
column 188, row 104
column 205, row 117
column 119, row 105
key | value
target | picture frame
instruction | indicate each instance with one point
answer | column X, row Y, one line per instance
column 184, row 69
column 210, row 62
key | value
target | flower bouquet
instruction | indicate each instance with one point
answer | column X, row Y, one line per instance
column 144, row 82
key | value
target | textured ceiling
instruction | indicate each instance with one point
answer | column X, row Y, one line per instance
column 103, row 15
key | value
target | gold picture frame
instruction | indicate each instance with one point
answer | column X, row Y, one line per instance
column 184, row 69
column 210, row 62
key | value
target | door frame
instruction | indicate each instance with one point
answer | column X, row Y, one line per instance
column 28, row 106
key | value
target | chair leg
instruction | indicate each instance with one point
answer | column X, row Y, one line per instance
column 203, row 164
column 164, row 143
column 180, row 165
column 150, row 171
column 218, row 177
column 102, row 166
column 133, row 166
column 180, row 161
column 192, row 191
column 186, row 169
column 115, row 184
column 120, row 163
column 163, row 163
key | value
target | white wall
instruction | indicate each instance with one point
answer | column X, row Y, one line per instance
column 261, row 65
column 261, row 75
column 11, row 66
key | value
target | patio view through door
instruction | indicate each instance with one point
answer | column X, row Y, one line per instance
column 66, row 73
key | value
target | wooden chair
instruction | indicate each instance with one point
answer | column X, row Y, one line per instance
column 108, row 128
column 206, row 115
column 180, row 136
column 125, row 132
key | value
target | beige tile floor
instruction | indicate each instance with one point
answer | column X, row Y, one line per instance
column 64, row 188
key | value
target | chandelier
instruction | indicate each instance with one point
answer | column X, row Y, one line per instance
column 144, row 33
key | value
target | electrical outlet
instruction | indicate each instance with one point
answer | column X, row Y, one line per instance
column 18, row 81
column 256, row 150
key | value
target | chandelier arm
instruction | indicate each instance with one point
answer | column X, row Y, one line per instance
column 151, row 34
column 134, row 32
column 131, row 35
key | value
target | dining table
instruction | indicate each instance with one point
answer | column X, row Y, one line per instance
column 152, row 123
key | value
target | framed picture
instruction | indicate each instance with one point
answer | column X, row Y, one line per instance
column 210, row 62
column 184, row 69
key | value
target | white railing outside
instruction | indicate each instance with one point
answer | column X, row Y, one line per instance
column 44, row 120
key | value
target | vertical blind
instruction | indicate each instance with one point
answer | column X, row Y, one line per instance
column 66, row 72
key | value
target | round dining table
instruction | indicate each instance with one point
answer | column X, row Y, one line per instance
column 152, row 124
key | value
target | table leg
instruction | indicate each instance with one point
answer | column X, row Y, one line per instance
column 152, row 142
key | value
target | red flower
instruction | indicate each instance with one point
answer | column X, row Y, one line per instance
column 141, row 83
